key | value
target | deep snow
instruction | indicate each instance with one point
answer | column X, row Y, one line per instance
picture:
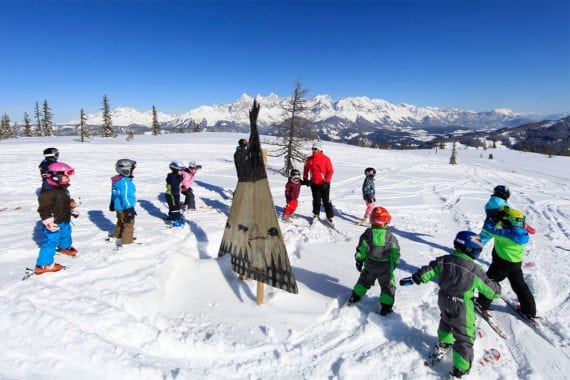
column 167, row 307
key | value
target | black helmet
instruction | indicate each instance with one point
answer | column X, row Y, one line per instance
column 468, row 242
column 295, row 172
column 175, row 165
column 370, row 172
column 51, row 154
column 502, row 192
column 125, row 167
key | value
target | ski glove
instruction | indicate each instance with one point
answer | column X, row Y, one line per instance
column 530, row 229
column 359, row 265
column 50, row 224
column 112, row 206
column 416, row 278
column 130, row 214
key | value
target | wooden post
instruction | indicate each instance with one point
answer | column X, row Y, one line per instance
column 260, row 292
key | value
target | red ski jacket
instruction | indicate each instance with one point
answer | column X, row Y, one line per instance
column 320, row 168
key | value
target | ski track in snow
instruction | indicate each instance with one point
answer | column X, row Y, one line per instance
column 168, row 308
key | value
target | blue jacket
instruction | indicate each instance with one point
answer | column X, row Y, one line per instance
column 509, row 242
column 123, row 192
column 493, row 206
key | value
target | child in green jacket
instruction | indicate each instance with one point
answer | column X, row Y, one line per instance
column 458, row 277
column 377, row 255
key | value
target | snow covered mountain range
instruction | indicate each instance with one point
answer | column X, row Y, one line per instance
column 355, row 120
column 353, row 111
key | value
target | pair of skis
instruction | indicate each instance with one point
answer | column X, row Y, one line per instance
column 532, row 322
column 330, row 225
column 31, row 272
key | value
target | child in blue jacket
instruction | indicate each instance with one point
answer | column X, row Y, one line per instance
column 493, row 206
column 123, row 200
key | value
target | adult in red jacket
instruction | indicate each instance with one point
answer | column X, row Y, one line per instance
column 320, row 169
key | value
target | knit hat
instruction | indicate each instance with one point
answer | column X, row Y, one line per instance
column 317, row 145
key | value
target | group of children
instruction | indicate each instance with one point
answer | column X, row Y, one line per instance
column 459, row 277
column 179, row 181
column 462, row 282
column 56, row 207
column 293, row 189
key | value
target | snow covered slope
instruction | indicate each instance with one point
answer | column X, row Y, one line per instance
column 168, row 308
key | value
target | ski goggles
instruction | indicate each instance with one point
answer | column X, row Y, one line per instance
column 67, row 172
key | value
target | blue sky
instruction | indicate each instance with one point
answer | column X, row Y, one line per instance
column 179, row 55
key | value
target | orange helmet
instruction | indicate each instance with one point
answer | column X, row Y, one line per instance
column 380, row 216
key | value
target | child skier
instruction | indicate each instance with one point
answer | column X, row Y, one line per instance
column 55, row 209
column 123, row 200
column 510, row 240
column 51, row 155
column 494, row 212
column 292, row 190
column 458, row 277
column 173, row 182
column 368, row 193
column 186, row 186
column 497, row 200
column 377, row 255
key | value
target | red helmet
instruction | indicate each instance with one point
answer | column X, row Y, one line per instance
column 380, row 217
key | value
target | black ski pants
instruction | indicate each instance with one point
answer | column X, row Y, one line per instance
column 501, row 269
column 321, row 193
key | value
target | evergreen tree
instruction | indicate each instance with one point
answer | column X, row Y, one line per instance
column 294, row 129
column 107, row 129
column 155, row 125
column 5, row 130
column 453, row 158
column 27, row 132
column 37, row 114
column 47, row 124
column 84, row 131
column 15, row 129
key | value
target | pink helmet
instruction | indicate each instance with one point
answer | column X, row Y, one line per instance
column 57, row 170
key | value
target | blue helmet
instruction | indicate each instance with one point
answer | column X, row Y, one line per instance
column 502, row 192
column 468, row 242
